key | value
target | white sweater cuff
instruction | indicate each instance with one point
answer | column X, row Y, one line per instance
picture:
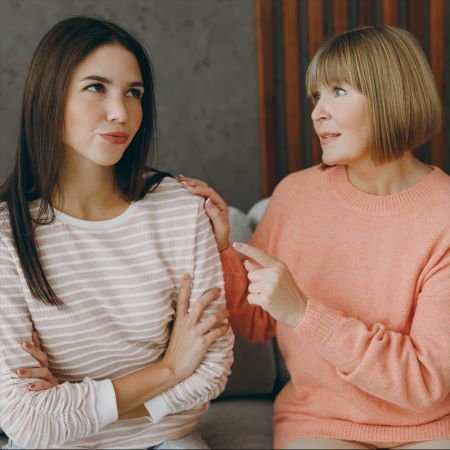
column 105, row 404
column 157, row 408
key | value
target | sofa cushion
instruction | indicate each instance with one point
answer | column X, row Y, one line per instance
column 240, row 228
column 256, row 212
column 238, row 424
column 254, row 369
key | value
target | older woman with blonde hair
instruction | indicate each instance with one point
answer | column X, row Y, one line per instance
column 350, row 266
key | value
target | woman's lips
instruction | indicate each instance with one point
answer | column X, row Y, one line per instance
column 328, row 137
column 115, row 138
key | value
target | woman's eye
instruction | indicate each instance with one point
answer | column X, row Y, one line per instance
column 135, row 93
column 339, row 91
column 97, row 88
column 316, row 96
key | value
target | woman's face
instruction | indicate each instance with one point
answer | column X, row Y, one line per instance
column 103, row 106
column 341, row 119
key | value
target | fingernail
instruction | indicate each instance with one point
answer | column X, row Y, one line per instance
column 25, row 345
column 186, row 276
column 31, row 385
column 207, row 201
column 20, row 372
column 236, row 245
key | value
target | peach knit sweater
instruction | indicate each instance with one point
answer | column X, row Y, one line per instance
column 370, row 360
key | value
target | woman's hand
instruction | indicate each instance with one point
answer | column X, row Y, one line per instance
column 189, row 341
column 190, row 337
column 47, row 380
column 216, row 208
column 272, row 286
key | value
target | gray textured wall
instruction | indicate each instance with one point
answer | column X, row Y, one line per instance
column 204, row 55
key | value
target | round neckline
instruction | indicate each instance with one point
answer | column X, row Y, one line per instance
column 96, row 224
column 383, row 204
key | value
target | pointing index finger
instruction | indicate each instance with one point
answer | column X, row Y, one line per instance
column 256, row 254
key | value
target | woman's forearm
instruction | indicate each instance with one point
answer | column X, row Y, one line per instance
column 136, row 413
column 134, row 389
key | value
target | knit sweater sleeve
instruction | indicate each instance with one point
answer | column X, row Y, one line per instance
column 410, row 369
column 249, row 321
column 35, row 419
column 209, row 380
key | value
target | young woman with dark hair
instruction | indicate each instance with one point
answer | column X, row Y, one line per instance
column 99, row 255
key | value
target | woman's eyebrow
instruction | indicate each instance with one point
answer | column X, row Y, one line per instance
column 108, row 81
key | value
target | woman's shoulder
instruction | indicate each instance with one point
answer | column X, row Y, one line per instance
column 436, row 189
column 4, row 217
column 302, row 181
column 443, row 180
column 433, row 193
column 5, row 224
column 168, row 195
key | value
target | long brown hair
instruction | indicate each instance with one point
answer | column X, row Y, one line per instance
column 40, row 143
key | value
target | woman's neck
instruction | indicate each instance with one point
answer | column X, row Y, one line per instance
column 388, row 178
column 89, row 192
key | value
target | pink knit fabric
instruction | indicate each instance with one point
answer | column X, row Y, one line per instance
column 370, row 360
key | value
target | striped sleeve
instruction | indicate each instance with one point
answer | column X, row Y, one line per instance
column 34, row 419
column 209, row 380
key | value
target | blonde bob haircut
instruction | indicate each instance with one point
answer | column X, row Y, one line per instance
column 389, row 67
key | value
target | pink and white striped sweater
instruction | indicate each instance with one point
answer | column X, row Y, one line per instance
column 119, row 280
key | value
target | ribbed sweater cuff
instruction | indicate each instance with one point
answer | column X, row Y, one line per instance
column 318, row 323
column 106, row 404
column 157, row 408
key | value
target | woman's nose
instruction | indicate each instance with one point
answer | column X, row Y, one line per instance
column 117, row 110
column 320, row 111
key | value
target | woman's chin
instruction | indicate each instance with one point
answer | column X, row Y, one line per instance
column 107, row 159
column 331, row 159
